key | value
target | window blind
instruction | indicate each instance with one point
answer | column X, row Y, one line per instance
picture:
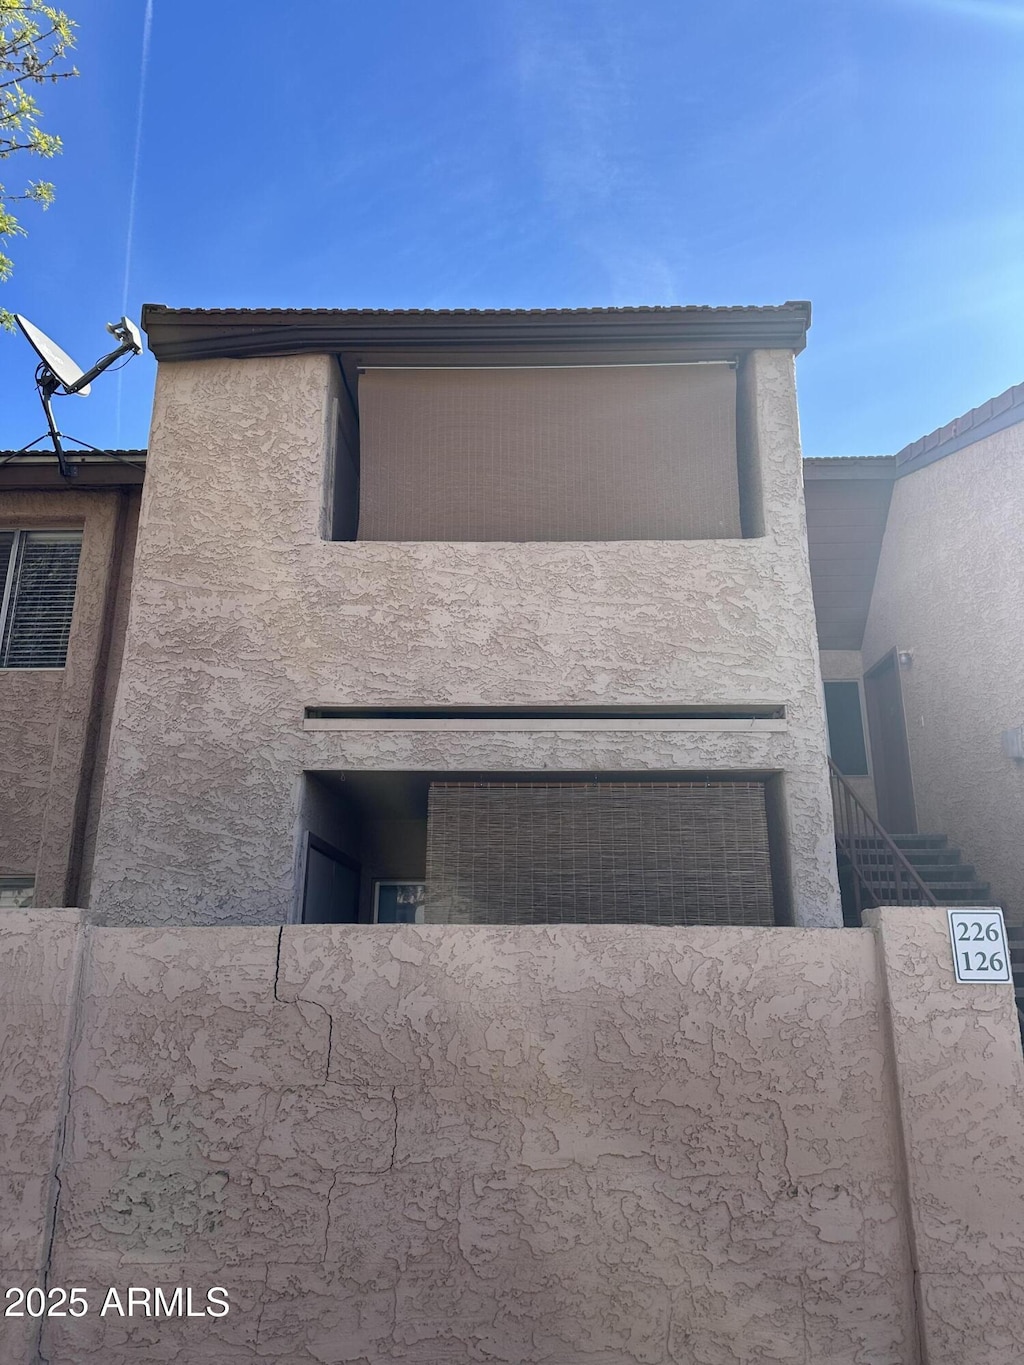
column 41, row 599
column 669, row 853
column 618, row 452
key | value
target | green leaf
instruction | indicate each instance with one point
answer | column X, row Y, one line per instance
column 34, row 40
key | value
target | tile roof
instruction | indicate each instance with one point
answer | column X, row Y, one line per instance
column 789, row 306
column 1005, row 410
column 843, row 459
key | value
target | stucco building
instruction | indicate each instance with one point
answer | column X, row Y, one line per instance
column 919, row 586
column 413, row 590
column 498, row 619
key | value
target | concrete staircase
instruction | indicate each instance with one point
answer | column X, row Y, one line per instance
column 951, row 881
column 879, row 868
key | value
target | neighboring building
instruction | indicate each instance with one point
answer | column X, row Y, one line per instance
column 919, row 588
column 66, row 553
column 949, row 599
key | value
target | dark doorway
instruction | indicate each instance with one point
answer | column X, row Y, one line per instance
column 890, row 754
column 331, row 892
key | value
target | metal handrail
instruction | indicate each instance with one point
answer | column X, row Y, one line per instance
column 855, row 825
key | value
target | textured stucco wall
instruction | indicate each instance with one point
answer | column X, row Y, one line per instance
column 104, row 710
column 49, row 717
column 583, row 1146
column 433, row 1144
column 29, row 701
column 242, row 616
column 950, row 587
column 960, row 1095
column 40, row 963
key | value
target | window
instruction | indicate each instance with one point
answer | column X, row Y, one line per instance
column 38, row 575
column 846, row 728
column 398, row 902
column 17, row 893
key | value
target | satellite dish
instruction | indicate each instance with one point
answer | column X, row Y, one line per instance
column 58, row 362
column 58, row 375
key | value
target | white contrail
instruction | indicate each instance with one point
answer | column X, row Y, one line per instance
column 147, row 27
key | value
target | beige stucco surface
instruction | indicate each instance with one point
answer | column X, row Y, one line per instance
column 950, row 588
column 571, row 1145
column 103, row 712
column 436, row 1144
column 242, row 616
column 29, row 699
column 961, row 1102
column 40, row 956
column 48, row 717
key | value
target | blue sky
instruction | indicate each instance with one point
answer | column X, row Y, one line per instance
column 863, row 154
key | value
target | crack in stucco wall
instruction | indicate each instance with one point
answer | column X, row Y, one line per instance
column 299, row 1000
column 637, row 1145
column 72, row 1037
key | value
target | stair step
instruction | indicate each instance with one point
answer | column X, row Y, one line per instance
column 932, row 857
column 945, row 872
column 927, row 871
column 962, row 893
column 916, row 857
column 945, row 893
column 903, row 841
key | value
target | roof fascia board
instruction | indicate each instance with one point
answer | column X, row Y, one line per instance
column 39, row 471
column 919, row 456
column 718, row 333
column 851, row 467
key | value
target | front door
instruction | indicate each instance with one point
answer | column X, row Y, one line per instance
column 890, row 754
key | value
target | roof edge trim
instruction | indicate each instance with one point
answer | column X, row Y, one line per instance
column 195, row 334
column 1005, row 410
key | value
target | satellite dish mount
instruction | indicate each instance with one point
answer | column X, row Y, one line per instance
column 57, row 375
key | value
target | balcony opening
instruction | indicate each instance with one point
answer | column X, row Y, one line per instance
column 664, row 848
column 548, row 453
